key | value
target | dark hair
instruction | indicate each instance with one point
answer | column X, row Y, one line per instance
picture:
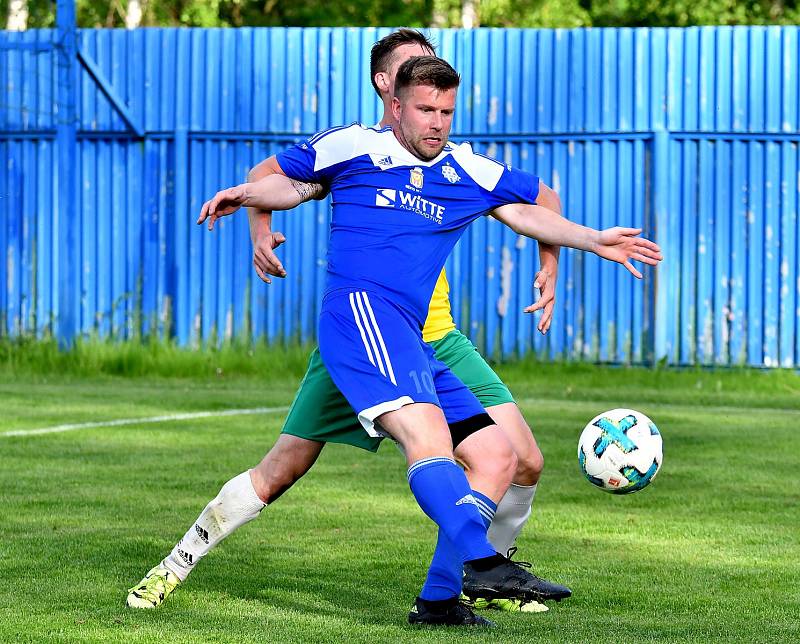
column 382, row 54
column 426, row 70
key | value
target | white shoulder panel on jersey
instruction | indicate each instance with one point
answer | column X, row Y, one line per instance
column 385, row 151
column 380, row 145
column 336, row 145
column 484, row 171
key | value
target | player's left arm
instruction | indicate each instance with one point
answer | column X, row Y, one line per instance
column 616, row 244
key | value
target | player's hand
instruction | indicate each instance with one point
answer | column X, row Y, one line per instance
column 225, row 202
column 545, row 281
column 265, row 260
column 623, row 245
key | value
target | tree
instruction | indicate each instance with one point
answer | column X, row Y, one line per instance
column 412, row 13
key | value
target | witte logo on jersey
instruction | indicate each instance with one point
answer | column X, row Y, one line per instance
column 386, row 197
column 449, row 173
column 391, row 198
column 417, row 178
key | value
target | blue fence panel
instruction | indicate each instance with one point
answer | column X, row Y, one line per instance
column 691, row 134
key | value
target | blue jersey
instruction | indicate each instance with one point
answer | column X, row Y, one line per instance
column 396, row 218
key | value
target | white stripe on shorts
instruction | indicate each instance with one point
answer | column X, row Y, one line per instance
column 380, row 339
column 368, row 327
column 361, row 329
column 367, row 416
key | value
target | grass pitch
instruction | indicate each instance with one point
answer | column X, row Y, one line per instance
column 709, row 552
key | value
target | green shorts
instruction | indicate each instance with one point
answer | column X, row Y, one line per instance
column 321, row 413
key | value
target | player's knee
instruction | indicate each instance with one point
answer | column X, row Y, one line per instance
column 529, row 467
column 288, row 460
column 270, row 481
column 488, row 454
column 498, row 462
column 512, row 466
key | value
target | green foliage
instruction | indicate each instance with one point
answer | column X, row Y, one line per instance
column 533, row 13
column 655, row 13
column 146, row 358
column 311, row 13
column 424, row 13
column 94, row 357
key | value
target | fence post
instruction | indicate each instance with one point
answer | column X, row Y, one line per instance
column 661, row 318
column 66, row 248
column 182, row 314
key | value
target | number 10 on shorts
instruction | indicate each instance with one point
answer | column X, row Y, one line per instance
column 422, row 380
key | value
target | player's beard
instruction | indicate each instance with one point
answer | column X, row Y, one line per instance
column 420, row 150
column 425, row 152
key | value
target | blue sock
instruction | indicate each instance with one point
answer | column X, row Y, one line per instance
column 446, row 570
column 443, row 493
column 486, row 507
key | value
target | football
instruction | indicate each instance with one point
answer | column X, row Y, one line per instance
column 620, row 451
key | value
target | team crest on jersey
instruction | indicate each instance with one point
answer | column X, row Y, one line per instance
column 416, row 178
column 449, row 173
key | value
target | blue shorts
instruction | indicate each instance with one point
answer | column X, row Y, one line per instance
column 377, row 359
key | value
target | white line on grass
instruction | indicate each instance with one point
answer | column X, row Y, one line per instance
column 55, row 429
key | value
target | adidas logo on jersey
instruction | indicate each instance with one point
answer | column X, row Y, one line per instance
column 467, row 498
column 382, row 162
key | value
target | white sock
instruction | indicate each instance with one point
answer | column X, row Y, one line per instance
column 512, row 514
column 236, row 504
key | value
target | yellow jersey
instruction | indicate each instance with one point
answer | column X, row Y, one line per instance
column 440, row 319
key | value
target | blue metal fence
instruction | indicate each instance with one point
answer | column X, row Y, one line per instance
column 690, row 133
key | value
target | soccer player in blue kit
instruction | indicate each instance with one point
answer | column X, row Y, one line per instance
column 388, row 244
column 401, row 199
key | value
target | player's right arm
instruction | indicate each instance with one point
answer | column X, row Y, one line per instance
column 295, row 175
column 273, row 192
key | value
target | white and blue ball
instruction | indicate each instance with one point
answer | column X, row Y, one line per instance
column 620, row 451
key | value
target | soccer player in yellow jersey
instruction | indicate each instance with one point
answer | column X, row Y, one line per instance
column 320, row 413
